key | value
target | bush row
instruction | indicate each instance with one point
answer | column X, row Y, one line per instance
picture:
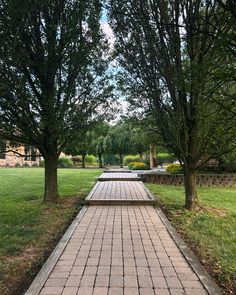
column 177, row 169
column 138, row 166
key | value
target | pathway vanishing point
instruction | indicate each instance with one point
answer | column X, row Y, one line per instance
column 120, row 244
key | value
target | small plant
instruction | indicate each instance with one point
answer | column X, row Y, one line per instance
column 42, row 164
column 174, row 169
column 64, row 162
column 90, row 159
column 165, row 158
column 130, row 159
column 138, row 166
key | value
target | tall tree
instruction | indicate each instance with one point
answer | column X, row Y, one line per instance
column 53, row 57
column 168, row 52
column 118, row 142
column 80, row 145
column 98, row 140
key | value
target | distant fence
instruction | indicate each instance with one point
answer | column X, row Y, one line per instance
column 224, row 180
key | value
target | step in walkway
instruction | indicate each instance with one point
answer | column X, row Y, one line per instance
column 117, row 176
column 121, row 250
column 120, row 193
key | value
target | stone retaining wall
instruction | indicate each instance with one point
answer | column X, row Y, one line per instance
column 226, row 180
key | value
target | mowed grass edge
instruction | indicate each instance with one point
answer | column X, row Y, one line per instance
column 210, row 232
column 29, row 229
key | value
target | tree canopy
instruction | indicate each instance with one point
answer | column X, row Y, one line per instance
column 169, row 52
column 53, row 58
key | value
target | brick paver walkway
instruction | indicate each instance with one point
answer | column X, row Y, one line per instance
column 121, row 250
column 133, row 190
column 119, row 176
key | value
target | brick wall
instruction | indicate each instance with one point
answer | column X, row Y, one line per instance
column 12, row 159
column 226, row 180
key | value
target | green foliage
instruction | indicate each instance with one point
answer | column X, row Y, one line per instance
column 174, row 169
column 138, row 166
column 110, row 159
column 117, row 140
column 64, row 162
column 128, row 159
column 165, row 158
column 220, row 169
column 90, row 159
column 56, row 75
column 42, row 164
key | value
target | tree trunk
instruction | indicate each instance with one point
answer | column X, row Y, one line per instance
column 190, row 188
column 83, row 161
column 100, row 160
column 121, row 161
column 141, row 156
column 51, row 192
column 153, row 156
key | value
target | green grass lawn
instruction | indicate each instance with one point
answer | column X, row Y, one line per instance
column 28, row 228
column 211, row 231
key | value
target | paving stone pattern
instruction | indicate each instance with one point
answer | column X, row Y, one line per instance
column 118, row 175
column 119, row 190
column 122, row 250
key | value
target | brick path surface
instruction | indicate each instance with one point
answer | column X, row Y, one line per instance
column 119, row 250
column 122, row 250
column 122, row 176
column 133, row 190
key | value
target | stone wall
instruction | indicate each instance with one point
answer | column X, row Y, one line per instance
column 12, row 159
column 226, row 180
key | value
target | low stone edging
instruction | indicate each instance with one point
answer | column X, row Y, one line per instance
column 223, row 180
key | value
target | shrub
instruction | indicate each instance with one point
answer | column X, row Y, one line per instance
column 90, row 159
column 165, row 158
column 42, row 164
column 218, row 169
column 138, row 166
column 64, row 162
column 130, row 159
column 174, row 169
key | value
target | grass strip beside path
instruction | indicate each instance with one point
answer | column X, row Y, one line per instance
column 210, row 231
column 29, row 229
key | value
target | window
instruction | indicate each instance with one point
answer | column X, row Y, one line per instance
column 2, row 148
column 33, row 154
column 30, row 153
column 27, row 153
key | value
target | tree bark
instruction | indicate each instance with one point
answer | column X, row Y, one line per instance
column 121, row 161
column 153, row 157
column 83, row 161
column 51, row 192
column 100, row 161
column 191, row 199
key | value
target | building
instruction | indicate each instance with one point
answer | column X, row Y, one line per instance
column 19, row 155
